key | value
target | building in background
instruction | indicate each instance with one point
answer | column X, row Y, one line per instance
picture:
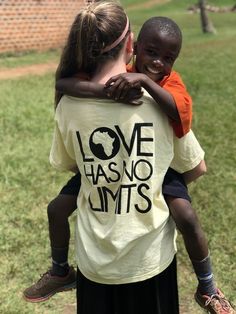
column 28, row 25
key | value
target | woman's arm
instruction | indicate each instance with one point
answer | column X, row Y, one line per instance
column 195, row 173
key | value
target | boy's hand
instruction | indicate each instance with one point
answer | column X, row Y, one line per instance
column 125, row 87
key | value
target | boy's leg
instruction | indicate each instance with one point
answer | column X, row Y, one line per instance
column 185, row 217
column 195, row 242
column 176, row 195
column 59, row 211
column 61, row 276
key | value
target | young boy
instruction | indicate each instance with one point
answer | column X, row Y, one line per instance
column 158, row 46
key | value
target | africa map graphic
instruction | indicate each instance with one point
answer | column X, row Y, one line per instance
column 104, row 143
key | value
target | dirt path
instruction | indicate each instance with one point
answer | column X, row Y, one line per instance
column 69, row 309
column 35, row 69
column 146, row 4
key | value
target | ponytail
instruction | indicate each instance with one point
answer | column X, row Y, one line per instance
column 97, row 33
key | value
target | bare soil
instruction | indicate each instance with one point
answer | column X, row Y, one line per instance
column 147, row 4
column 35, row 69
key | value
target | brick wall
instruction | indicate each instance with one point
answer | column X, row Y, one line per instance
column 35, row 24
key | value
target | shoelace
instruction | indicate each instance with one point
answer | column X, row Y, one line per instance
column 42, row 280
column 215, row 298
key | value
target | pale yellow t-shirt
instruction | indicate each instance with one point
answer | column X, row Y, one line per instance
column 124, row 232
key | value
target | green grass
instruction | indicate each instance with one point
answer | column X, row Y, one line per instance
column 28, row 183
column 21, row 59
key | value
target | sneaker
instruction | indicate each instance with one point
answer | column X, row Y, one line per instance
column 216, row 303
column 48, row 285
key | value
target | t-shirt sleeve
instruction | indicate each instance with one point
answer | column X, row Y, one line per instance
column 175, row 86
column 187, row 153
column 59, row 157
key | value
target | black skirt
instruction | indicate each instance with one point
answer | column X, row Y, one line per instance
column 157, row 295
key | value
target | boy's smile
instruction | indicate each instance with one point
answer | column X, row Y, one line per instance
column 156, row 54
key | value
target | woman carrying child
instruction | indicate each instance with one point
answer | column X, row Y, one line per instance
column 118, row 261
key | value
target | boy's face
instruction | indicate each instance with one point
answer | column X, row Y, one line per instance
column 156, row 54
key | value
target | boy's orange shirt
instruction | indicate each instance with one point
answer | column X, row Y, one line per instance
column 175, row 86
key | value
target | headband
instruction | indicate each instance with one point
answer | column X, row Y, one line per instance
column 119, row 39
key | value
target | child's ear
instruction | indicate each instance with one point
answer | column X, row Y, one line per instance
column 135, row 47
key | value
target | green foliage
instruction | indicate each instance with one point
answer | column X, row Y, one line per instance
column 27, row 181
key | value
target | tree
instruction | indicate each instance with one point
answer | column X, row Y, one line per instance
column 207, row 26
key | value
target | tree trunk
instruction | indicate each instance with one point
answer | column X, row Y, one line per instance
column 207, row 26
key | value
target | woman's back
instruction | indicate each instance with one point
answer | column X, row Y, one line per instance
column 122, row 153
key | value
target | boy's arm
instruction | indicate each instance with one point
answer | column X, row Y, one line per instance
column 81, row 87
column 78, row 87
column 164, row 99
column 118, row 86
column 170, row 94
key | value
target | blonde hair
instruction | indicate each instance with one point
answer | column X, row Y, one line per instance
column 96, row 26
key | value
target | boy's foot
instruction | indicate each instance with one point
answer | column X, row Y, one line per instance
column 216, row 304
column 48, row 285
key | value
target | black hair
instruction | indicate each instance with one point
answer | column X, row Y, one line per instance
column 164, row 25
